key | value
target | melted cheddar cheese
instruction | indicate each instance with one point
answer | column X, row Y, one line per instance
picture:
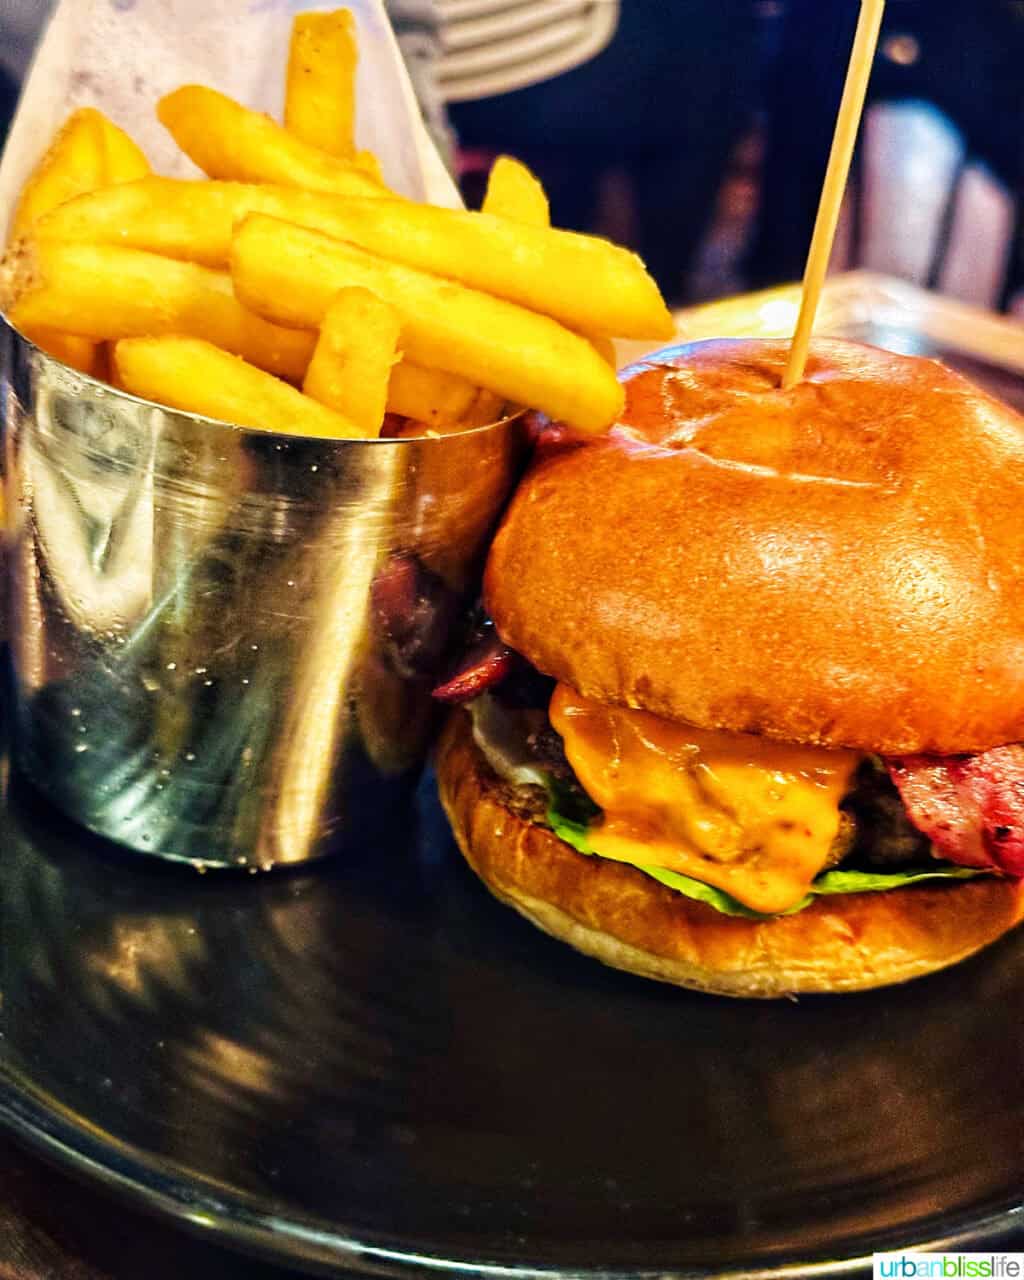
column 753, row 817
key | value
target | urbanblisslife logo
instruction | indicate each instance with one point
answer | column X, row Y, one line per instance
column 948, row 1266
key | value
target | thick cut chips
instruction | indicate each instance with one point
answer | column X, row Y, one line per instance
column 227, row 140
column 88, row 153
column 351, row 365
column 290, row 274
column 586, row 283
column 514, row 192
column 197, row 377
column 320, row 92
column 103, row 292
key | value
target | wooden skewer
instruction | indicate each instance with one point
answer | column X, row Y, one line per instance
column 847, row 123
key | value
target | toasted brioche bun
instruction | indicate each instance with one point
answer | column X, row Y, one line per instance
column 617, row 914
column 841, row 563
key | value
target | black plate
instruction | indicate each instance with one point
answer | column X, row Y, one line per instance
column 374, row 1064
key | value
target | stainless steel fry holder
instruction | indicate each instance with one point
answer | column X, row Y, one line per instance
column 223, row 641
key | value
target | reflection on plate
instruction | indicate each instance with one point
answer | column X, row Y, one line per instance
column 373, row 1065
column 378, row 1062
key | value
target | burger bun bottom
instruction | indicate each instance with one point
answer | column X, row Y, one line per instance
column 613, row 912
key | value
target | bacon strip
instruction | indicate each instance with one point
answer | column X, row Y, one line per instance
column 413, row 612
column 970, row 807
column 486, row 664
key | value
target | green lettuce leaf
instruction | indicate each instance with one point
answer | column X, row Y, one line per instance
column 570, row 813
column 570, row 819
column 878, row 881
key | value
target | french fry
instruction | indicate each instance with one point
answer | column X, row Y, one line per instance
column 587, row 283
column 439, row 400
column 490, row 309
column 75, row 162
column 320, row 89
column 79, row 353
column 226, row 140
column 370, row 165
column 88, row 152
column 124, row 159
column 430, row 396
column 486, row 408
column 604, row 347
column 290, row 274
column 193, row 221
column 105, row 292
column 197, row 377
column 188, row 220
column 514, row 192
column 352, row 360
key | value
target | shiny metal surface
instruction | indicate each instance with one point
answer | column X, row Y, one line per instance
column 224, row 641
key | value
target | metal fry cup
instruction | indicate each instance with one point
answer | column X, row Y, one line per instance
column 224, row 640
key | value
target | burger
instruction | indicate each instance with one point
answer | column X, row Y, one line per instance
column 745, row 709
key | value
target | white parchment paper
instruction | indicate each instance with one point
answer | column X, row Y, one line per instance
column 122, row 55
